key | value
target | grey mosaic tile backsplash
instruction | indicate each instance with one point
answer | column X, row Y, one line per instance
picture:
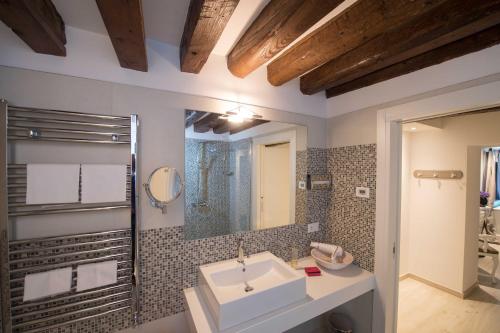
column 206, row 188
column 351, row 220
column 169, row 263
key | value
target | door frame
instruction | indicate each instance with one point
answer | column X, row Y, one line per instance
column 466, row 97
column 285, row 136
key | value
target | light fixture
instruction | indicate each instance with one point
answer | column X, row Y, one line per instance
column 239, row 115
column 413, row 128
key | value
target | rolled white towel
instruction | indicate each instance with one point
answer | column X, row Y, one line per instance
column 336, row 252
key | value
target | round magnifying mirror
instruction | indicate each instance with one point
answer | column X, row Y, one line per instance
column 164, row 186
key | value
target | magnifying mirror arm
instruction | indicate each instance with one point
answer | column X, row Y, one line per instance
column 155, row 203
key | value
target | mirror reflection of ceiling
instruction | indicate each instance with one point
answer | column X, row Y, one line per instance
column 205, row 122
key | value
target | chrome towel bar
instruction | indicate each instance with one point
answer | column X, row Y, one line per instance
column 21, row 257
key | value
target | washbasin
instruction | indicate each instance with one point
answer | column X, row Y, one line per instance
column 236, row 292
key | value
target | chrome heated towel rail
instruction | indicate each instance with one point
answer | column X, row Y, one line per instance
column 21, row 257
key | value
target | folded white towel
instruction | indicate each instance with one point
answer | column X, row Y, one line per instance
column 52, row 183
column 104, row 183
column 334, row 251
column 39, row 285
column 96, row 275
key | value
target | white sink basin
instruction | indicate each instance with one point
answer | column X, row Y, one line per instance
column 275, row 284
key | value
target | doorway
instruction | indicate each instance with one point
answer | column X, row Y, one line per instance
column 274, row 180
column 274, row 185
column 439, row 290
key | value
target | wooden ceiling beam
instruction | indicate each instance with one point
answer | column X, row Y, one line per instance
column 474, row 43
column 278, row 24
column 193, row 117
column 206, row 123
column 125, row 25
column 205, row 22
column 37, row 23
column 223, row 126
column 357, row 24
column 448, row 22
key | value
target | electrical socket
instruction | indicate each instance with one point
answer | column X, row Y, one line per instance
column 312, row 227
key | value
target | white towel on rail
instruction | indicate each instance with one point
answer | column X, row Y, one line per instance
column 52, row 183
column 104, row 183
column 96, row 275
column 40, row 285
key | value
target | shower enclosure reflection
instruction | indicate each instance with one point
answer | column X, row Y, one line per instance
column 241, row 175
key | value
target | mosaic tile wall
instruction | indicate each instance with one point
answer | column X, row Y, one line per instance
column 351, row 220
column 207, row 196
column 301, row 195
column 240, row 184
column 169, row 263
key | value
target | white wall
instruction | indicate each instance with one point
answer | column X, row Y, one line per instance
column 435, row 222
column 404, row 248
column 354, row 128
column 161, row 134
column 91, row 55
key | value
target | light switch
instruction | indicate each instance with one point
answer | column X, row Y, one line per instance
column 312, row 227
column 362, row 192
column 302, row 185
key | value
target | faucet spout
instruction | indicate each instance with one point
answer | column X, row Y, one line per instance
column 241, row 252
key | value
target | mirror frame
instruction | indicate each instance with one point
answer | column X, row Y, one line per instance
column 155, row 202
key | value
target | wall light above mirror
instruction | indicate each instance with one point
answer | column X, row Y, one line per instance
column 242, row 173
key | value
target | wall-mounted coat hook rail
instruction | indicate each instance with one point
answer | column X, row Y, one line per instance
column 438, row 174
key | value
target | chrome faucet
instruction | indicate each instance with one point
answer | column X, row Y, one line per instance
column 241, row 260
column 241, row 252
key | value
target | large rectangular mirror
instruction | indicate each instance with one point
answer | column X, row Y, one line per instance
column 242, row 173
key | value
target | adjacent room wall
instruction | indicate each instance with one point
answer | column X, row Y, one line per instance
column 435, row 222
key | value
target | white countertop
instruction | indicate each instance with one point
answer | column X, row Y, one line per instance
column 325, row 292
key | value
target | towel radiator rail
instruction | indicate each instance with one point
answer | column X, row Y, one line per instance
column 21, row 257
column 16, row 183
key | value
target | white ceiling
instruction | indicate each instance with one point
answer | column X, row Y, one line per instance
column 163, row 20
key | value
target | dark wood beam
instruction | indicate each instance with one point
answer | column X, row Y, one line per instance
column 277, row 25
column 236, row 128
column 125, row 25
column 37, row 23
column 359, row 23
column 448, row 22
column 206, row 123
column 205, row 22
column 222, row 126
column 193, row 117
column 474, row 43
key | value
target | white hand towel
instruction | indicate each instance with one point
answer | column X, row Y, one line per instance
column 52, row 183
column 40, row 285
column 335, row 251
column 96, row 275
column 104, row 183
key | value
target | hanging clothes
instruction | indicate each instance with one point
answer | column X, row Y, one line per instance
column 491, row 177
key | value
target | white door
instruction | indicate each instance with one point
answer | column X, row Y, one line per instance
column 275, row 185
